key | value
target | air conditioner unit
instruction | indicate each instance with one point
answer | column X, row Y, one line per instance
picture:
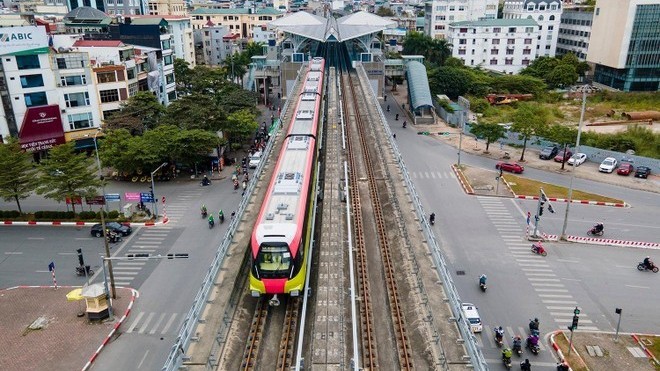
column 59, row 85
column 63, row 111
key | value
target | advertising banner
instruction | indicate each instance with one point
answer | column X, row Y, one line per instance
column 97, row 200
column 75, row 200
column 41, row 129
column 132, row 196
column 20, row 39
column 112, row 197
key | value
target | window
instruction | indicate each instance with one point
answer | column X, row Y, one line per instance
column 132, row 89
column 104, row 77
column 493, row 61
column 31, row 81
column 542, row 7
column 27, row 62
column 108, row 96
column 462, row 41
column 511, row 41
column 80, row 120
column 171, row 96
column 512, row 29
column 509, row 52
column 462, row 30
column 493, row 51
column 525, row 62
column 496, row 41
column 529, row 29
column 461, row 8
column 552, row 18
column 530, row 7
column 553, row 6
column 550, row 28
column 528, row 41
column 461, row 52
column 130, row 73
column 527, row 51
column 497, row 29
column 35, row 99
column 77, row 99
column 508, row 61
column 452, row 8
column 120, row 2
column 71, row 60
column 169, row 79
column 107, row 114
column 540, row 18
column 167, row 44
column 547, row 47
column 440, row 18
column 168, row 60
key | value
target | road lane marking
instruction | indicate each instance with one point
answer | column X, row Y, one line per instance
column 536, row 270
column 146, row 323
column 143, row 358
column 13, row 253
column 568, row 261
column 551, row 307
column 36, row 238
column 568, row 320
column 168, row 324
column 556, row 296
column 540, row 274
column 125, row 268
column 84, row 238
column 559, row 301
column 637, row 287
column 126, row 273
column 572, row 279
column 66, row 253
column 548, row 284
column 545, row 279
column 551, row 290
column 160, row 319
column 135, row 322
column 543, row 265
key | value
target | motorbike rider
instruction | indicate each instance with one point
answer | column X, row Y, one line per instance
column 525, row 366
column 648, row 263
column 482, row 279
column 221, row 216
column 206, row 181
column 432, row 218
column 211, row 221
column 235, row 183
column 532, row 341
column 204, row 211
column 499, row 333
column 404, row 124
column 506, row 355
column 599, row 227
column 517, row 342
column 534, row 324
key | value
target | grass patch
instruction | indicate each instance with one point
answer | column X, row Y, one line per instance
column 529, row 187
column 654, row 348
column 574, row 360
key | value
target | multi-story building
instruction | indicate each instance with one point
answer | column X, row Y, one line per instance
column 440, row 13
column 625, row 44
column 574, row 31
column 547, row 13
column 48, row 95
column 111, row 7
column 504, row 45
column 213, row 44
column 167, row 7
column 240, row 21
column 180, row 28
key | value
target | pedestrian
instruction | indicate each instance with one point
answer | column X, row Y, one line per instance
column 388, row 108
column 233, row 214
column 403, row 106
column 385, row 98
column 394, row 135
column 396, row 118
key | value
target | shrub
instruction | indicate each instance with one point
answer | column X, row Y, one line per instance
column 9, row 214
column 114, row 214
column 86, row 215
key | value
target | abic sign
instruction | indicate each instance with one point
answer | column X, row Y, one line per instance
column 19, row 39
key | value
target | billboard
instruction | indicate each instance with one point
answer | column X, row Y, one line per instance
column 41, row 128
column 20, row 39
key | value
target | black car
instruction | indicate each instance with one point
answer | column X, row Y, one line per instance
column 124, row 230
column 642, row 172
column 548, row 152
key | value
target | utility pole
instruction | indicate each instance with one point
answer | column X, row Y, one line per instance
column 577, row 150
column 107, row 253
column 618, row 324
column 573, row 327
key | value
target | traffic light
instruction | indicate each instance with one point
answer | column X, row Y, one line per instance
column 541, row 211
column 576, row 311
column 151, row 190
column 177, row 256
column 574, row 325
column 81, row 261
column 131, row 256
column 550, row 209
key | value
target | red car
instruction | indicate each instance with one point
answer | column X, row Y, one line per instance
column 561, row 158
column 510, row 166
column 626, row 168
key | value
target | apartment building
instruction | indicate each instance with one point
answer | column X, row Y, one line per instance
column 240, row 21
column 167, row 7
column 213, row 44
column 575, row 31
column 625, row 44
column 547, row 13
column 440, row 13
column 180, row 27
column 503, row 45
column 111, row 7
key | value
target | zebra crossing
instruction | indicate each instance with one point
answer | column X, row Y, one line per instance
column 155, row 323
column 432, row 175
column 180, row 204
column 554, row 295
column 148, row 241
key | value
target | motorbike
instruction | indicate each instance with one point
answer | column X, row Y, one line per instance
column 537, row 248
column 211, row 223
column 222, row 218
column 595, row 231
column 642, row 267
column 80, row 271
column 517, row 348
column 498, row 339
column 235, row 185
column 205, row 182
column 533, row 348
column 205, row 214
column 114, row 237
column 432, row 219
column 482, row 286
column 507, row 362
column 534, row 328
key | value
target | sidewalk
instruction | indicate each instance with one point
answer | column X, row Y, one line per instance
column 598, row 351
column 67, row 342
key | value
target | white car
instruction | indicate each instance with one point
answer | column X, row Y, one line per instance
column 472, row 316
column 254, row 160
column 577, row 159
column 608, row 165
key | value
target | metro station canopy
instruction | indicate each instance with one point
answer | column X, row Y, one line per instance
column 330, row 29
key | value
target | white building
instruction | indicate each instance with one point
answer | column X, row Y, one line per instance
column 180, row 27
column 213, row 44
column 574, row 31
column 504, row 45
column 547, row 13
column 440, row 13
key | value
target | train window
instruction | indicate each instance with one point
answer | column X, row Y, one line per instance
column 274, row 260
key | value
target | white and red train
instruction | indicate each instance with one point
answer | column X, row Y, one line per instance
column 281, row 236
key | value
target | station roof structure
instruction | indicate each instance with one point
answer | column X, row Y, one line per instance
column 418, row 85
column 323, row 29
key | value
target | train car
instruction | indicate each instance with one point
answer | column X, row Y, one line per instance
column 281, row 235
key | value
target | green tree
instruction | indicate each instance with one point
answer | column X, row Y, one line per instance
column 384, row 12
column 561, row 76
column 232, row 98
column 451, row 81
column 252, row 49
column 241, row 125
column 67, row 174
column 529, row 120
column 454, row 62
column 184, row 75
column 564, row 135
column 195, row 111
column 518, row 84
column 435, row 51
column 193, row 146
column 236, row 67
column 141, row 112
column 489, row 132
column 541, row 67
column 17, row 174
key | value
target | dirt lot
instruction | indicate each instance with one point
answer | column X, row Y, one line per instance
column 616, row 356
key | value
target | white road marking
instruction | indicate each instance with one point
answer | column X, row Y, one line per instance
column 534, row 265
column 120, row 268
column 13, row 253
column 569, row 320
column 125, row 273
column 637, row 287
column 160, row 319
column 143, row 358
column 559, row 301
column 66, row 253
column 135, row 322
column 545, row 279
column 568, row 261
column 42, row 271
column 168, row 324
column 568, row 314
column 143, row 328
column 560, row 308
column 555, row 296
column 548, row 284
column 36, row 238
column 84, row 238
column 536, row 270
column 551, row 290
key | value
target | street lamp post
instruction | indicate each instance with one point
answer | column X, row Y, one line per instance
column 577, row 150
column 98, row 164
column 153, row 190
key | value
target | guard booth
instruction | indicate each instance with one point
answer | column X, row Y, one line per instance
column 96, row 302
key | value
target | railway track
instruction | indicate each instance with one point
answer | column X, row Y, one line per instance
column 369, row 348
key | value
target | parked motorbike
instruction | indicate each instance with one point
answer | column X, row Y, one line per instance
column 642, row 267
column 537, row 248
column 80, row 271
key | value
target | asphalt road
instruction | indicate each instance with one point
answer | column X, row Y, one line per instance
column 486, row 235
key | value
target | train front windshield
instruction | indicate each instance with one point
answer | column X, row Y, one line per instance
column 274, row 261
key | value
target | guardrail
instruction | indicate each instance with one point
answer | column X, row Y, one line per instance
column 183, row 339
column 470, row 341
